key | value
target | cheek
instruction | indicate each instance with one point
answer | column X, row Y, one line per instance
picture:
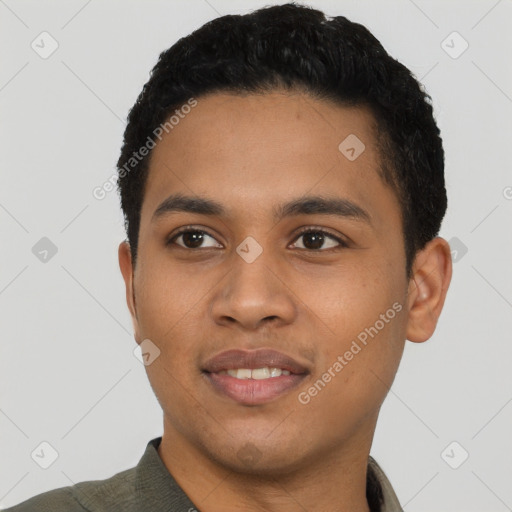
column 168, row 307
column 358, row 368
column 351, row 296
column 164, row 296
column 364, row 310
column 172, row 310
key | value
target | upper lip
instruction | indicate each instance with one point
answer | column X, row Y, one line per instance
column 252, row 359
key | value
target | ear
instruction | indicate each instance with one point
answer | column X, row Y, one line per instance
column 125, row 264
column 431, row 276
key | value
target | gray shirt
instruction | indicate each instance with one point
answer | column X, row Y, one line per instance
column 149, row 487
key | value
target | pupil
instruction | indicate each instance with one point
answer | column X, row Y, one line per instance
column 316, row 238
column 193, row 239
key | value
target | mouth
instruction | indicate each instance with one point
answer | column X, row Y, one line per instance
column 253, row 377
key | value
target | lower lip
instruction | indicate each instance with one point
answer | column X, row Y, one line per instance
column 253, row 391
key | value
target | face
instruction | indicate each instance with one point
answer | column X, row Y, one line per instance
column 333, row 302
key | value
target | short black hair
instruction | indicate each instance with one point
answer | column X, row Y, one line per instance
column 298, row 48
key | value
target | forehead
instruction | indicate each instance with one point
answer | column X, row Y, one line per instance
column 253, row 152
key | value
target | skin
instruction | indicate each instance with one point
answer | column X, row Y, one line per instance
column 252, row 153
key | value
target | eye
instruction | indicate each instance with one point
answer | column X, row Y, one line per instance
column 315, row 238
column 192, row 238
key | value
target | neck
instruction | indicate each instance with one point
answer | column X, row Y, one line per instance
column 333, row 481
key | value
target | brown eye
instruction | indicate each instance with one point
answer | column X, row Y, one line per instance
column 315, row 239
column 192, row 239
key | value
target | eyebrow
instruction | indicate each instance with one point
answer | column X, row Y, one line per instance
column 309, row 205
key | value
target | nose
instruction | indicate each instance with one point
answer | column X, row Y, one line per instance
column 253, row 295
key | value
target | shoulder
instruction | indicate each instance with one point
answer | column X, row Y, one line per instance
column 56, row 500
column 116, row 493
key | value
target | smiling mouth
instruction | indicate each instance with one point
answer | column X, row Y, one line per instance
column 253, row 377
column 253, row 386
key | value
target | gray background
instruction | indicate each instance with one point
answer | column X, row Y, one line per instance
column 68, row 373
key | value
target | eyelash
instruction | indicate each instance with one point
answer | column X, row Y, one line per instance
column 303, row 231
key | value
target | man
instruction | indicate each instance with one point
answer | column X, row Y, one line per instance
column 282, row 184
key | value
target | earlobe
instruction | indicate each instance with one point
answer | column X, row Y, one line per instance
column 125, row 264
column 432, row 272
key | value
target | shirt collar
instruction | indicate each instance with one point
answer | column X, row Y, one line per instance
column 379, row 489
column 155, row 487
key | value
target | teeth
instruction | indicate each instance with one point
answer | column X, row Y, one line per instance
column 257, row 373
column 261, row 373
column 241, row 373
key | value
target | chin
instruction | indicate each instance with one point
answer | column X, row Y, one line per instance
column 258, row 457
